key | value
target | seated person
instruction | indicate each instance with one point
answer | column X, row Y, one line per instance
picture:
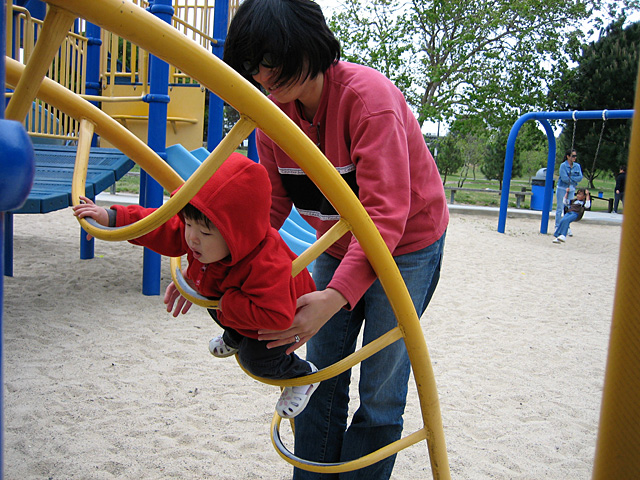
column 574, row 210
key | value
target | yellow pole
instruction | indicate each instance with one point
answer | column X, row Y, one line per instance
column 618, row 444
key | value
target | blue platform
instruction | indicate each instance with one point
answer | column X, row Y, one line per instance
column 51, row 189
column 54, row 173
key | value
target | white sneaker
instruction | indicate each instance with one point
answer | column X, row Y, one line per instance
column 219, row 349
column 556, row 240
column 562, row 238
column 570, row 233
column 293, row 399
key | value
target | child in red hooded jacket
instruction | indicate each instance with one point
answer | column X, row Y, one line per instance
column 236, row 256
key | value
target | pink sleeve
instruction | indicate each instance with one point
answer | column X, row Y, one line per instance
column 382, row 173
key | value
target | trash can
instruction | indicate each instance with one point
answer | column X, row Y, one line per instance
column 538, row 185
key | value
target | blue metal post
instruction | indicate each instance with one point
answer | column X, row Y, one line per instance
column 3, row 48
column 542, row 117
column 7, row 248
column 158, row 98
column 252, row 151
column 216, row 105
column 92, row 85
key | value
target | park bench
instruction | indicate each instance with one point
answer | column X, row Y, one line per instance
column 609, row 200
column 520, row 196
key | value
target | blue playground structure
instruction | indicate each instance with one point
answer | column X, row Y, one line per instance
column 543, row 118
column 55, row 161
column 37, row 171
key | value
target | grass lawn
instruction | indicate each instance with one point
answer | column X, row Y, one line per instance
column 130, row 183
column 606, row 186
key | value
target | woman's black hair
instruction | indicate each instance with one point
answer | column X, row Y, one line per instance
column 568, row 152
column 292, row 33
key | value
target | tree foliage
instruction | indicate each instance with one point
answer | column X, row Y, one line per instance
column 604, row 79
column 486, row 59
column 449, row 157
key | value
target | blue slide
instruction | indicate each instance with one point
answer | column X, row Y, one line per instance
column 296, row 232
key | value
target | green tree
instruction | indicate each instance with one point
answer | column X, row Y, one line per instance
column 449, row 156
column 604, row 79
column 492, row 165
column 532, row 148
column 487, row 59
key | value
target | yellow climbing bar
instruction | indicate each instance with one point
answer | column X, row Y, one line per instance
column 618, row 444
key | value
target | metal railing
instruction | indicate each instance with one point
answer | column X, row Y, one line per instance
column 120, row 60
column 68, row 69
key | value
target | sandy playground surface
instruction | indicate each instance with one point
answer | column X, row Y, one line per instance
column 102, row 383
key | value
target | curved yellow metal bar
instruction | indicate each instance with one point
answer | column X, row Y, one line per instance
column 185, row 289
column 337, row 368
column 81, row 167
column 157, row 37
column 195, row 182
column 356, row 464
column 618, row 444
column 330, row 237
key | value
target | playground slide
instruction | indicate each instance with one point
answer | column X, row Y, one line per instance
column 296, row 232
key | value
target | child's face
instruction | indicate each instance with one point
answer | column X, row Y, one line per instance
column 580, row 195
column 207, row 243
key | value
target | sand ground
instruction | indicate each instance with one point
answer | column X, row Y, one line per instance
column 102, row 383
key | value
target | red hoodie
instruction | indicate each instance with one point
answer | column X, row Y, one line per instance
column 255, row 281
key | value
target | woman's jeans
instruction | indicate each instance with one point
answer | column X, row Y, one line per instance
column 563, row 225
column 560, row 191
column 321, row 429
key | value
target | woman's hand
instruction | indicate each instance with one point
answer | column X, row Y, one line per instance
column 314, row 310
column 172, row 295
column 90, row 209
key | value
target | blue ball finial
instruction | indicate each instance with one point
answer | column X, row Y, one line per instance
column 17, row 165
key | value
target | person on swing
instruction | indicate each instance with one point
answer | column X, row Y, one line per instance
column 574, row 210
column 234, row 255
column 569, row 176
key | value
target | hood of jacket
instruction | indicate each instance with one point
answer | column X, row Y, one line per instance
column 237, row 200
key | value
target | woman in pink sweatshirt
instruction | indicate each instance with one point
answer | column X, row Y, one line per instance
column 363, row 125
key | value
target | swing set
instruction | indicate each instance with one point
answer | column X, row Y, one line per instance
column 543, row 118
column 573, row 135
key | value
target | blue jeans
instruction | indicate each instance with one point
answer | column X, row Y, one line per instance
column 560, row 191
column 563, row 226
column 321, row 429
